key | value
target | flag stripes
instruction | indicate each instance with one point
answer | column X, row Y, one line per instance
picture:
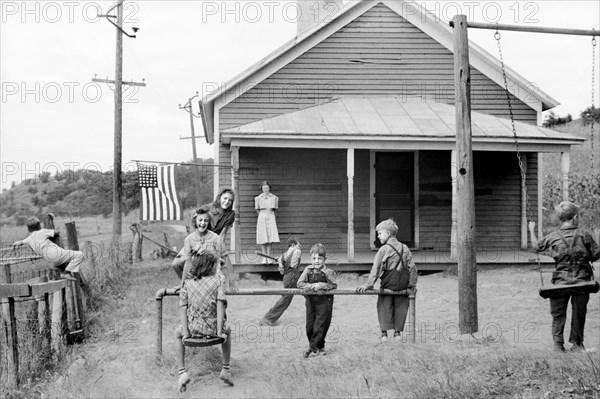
column 159, row 196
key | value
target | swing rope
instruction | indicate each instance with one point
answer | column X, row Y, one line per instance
column 516, row 140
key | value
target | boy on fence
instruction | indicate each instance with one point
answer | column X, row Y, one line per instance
column 394, row 265
column 288, row 266
column 202, row 305
column 39, row 241
column 319, row 308
column 573, row 250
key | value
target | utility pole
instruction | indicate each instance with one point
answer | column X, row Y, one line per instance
column 188, row 107
column 118, row 127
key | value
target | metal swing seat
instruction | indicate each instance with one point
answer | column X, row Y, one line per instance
column 200, row 341
column 554, row 290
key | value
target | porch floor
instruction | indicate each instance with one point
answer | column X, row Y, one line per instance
column 425, row 260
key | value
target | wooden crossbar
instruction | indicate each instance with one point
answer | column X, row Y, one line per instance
column 160, row 294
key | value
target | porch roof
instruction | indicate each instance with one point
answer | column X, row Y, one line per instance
column 411, row 121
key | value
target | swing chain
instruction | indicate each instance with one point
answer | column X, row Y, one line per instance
column 514, row 130
column 593, row 96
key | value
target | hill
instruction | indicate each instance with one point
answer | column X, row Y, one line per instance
column 84, row 192
column 581, row 155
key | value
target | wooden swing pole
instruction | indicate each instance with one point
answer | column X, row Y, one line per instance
column 532, row 29
column 467, row 264
column 465, row 238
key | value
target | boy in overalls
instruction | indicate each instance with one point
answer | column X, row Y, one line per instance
column 394, row 265
column 573, row 250
column 319, row 308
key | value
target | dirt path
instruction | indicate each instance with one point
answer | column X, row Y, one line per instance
column 120, row 361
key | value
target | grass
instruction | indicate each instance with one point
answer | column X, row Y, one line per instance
column 510, row 356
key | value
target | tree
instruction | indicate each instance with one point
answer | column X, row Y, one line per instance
column 553, row 120
column 590, row 114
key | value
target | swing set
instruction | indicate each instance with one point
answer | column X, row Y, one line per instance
column 466, row 259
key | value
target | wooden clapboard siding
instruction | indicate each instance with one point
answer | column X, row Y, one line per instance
column 310, row 186
column 497, row 199
column 379, row 53
column 435, row 200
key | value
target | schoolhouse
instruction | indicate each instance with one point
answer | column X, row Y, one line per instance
column 352, row 122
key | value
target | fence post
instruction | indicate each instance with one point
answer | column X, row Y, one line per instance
column 73, row 242
column 58, row 319
column 80, row 320
column 412, row 318
column 136, row 248
column 70, row 301
column 9, row 325
column 44, row 321
column 88, row 252
column 49, row 224
column 159, row 324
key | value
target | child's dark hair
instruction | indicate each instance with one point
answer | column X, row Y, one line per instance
column 33, row 224
column 203, row 264
column 292, row 241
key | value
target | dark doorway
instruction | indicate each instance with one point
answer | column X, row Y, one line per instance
column 394, row 193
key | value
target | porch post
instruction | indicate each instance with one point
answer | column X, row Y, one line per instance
column 235, row 233
column 453, row 233
column 350, row 173
column 565, row 164
column 524, row 203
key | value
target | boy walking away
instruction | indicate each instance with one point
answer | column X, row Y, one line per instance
column 573, row 250
column 289, row 264
column 394, row 265
column 202, row 304
column 39, row 241
column 319, row 308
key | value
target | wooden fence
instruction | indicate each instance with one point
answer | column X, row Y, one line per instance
column 52, row 312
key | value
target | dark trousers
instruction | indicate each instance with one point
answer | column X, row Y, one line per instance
column 289, row 281
column 319, row 310
column 558, row 310
column 391, row 312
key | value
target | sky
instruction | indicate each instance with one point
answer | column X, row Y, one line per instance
column 53, row 117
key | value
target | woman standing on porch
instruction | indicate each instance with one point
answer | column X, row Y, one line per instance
column 266, row 226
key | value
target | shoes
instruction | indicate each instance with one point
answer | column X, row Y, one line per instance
column 184, row 379
column 397, row 336
column 310, row 352
column 384, row 336
column 264, row 322
column 559, row 347
column 321, row 352
column 577, row 348
column 226, row 377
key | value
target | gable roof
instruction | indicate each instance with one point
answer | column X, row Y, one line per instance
column 381, row 118
column 423, row 20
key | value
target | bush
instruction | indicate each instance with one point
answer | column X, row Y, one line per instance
column 584, row 190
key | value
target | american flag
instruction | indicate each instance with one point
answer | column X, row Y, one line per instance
column 159, row 198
